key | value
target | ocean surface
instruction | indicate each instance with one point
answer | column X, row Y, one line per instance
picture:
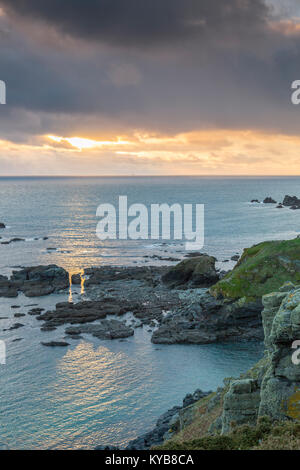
column 108, row 392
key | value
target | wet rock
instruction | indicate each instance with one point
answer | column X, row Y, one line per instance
column 255, row 200
column 82, row 312
column 208, row 320
column 54, row 344
column 35, row 311
column 48, row 328
column 19, row 315
column 235, row 258
column 194, row 272
column 106, row 448
column 2, row 225
column 269, row 200
column 13, row 240
column 38, row 291
column 156, row 436
column 40, row 280
column 193, row 254
column 105, row 329
column 16, row 326
column 290, row 201
column 7, row 288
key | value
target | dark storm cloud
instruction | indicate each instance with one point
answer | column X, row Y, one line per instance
column 236, row 72
column 144, row 22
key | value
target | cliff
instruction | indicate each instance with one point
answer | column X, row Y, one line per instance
column 261, row 409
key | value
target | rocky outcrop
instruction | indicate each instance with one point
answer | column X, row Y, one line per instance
column 266, row 396
column 231, row 309
column 55, row 344
column 195, row 272
column 241, row 404
column 290, row 201
column 82, row 312
column 275, row 390
column 40, row 280
column 167, row 424
column 209, row 320
column 98, row 276
column 105, row 329
column 34, row 281
column 262, row 269
column 269, row 200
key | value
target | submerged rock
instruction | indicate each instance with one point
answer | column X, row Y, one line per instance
column 54, row 344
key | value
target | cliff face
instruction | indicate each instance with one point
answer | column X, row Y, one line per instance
column 271, row 389
column 274, row 392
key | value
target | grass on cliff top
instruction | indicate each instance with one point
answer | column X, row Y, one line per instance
column 262, row 269
column 265, row 436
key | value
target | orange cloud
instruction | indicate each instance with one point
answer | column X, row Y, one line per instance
column 205, row 152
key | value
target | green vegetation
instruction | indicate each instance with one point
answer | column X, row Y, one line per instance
column 262, row 269
column 266, row 435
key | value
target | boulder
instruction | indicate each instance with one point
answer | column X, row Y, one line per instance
column 194, row 272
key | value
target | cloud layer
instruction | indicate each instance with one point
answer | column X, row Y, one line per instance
column 99, row 69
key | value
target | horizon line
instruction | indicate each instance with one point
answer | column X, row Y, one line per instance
column 151, row 176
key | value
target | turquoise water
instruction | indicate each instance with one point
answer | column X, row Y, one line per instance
column 107, row 392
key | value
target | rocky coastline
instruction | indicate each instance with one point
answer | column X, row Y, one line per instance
column 189, row 303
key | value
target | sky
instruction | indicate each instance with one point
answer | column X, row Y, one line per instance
column 131, row 87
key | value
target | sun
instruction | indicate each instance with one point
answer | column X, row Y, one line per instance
column 81, row 143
